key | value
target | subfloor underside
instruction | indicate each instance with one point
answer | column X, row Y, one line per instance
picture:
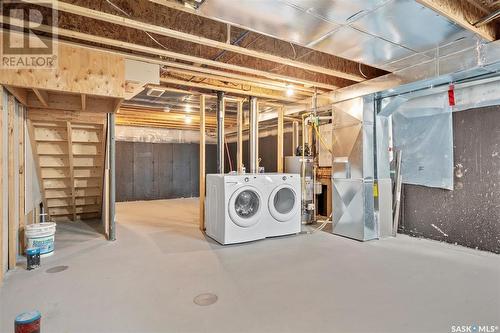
column 146, row 281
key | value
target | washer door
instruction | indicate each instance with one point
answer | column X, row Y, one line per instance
column 245, row 206
column 283, row 203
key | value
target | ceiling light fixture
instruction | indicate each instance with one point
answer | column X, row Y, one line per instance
column 290, row 91
column 187, row 108
column 188, row 120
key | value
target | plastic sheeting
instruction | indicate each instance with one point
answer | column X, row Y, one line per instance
column 423, row 128
column 423, row 131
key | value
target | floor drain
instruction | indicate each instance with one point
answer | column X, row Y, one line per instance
column 57, row 269
column 205, row 299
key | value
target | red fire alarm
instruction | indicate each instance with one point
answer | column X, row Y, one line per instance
column 451, row 95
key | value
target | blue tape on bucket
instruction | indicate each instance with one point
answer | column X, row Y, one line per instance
column 32, row 251
column 28, row 317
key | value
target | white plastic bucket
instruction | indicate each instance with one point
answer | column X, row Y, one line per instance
column 41, row 235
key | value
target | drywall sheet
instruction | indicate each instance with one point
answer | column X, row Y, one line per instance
column 470, row 214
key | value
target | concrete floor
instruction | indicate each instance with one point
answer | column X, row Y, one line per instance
column 147, row 279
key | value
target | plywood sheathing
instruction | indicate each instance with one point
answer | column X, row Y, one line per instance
column 79, row 70
column 466, row 13
column 160, row 15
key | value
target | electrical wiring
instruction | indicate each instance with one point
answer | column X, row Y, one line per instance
column 128, row 15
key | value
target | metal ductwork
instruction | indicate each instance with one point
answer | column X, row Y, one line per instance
column 254, row 136
column 220, row 132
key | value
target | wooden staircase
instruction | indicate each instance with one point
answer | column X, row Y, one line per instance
column 69, row 152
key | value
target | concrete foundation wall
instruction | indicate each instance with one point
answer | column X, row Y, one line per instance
column 470, row 214
column 152, row 171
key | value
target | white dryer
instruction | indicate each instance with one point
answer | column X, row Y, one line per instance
column 283, row 204
column 235, row 207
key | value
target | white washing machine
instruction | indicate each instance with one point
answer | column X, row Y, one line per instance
column 235, row 207
column 283, row 204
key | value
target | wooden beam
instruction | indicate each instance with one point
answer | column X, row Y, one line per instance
column 84, row 102
column 42, row 96
column 279, row 157
column 247, row 81
column 12, row 236
column 19, row 93
column 1, row 186
column 143, row 26
column 69, row 133
column 118, row 103
column 271, row 81
column 21, row 177
column 160, row 52
column 226, row 89
column 239, row 140
column 72, row 102
column 171, row 66
column 202, row 163
column 464, row 14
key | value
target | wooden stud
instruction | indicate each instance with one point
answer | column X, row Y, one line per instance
column 202, row 163
column 21, row 176
column 104, row 174
column 12, row 207
column 239, row 142
column 71, row 166
column 84, row 102
column 42, row 96
column 1, row 185
column 279, row 156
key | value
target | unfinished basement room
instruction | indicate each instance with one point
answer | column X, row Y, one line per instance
column 260, row 166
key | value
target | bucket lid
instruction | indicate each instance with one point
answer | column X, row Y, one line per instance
column 41, row 225
column 28, row 317
column 33, row 250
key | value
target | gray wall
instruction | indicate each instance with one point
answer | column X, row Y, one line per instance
column 470, row 214
column 150, row 171
column 268, row 148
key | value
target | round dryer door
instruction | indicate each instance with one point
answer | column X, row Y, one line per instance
column 245, row 206
column 283, row 203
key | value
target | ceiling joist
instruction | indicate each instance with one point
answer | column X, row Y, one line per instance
column 155, row 51
column 130, row 23
column 465, row 14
